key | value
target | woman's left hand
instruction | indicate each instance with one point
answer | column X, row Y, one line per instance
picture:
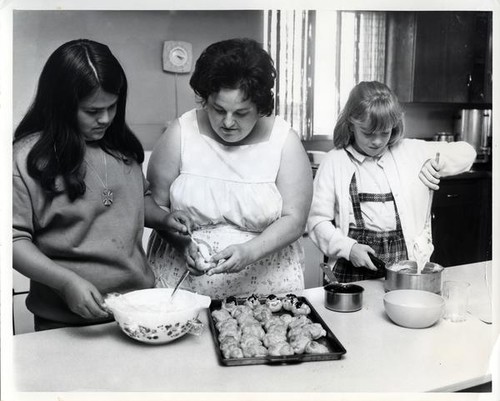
column 429, row 174
column 232, row 259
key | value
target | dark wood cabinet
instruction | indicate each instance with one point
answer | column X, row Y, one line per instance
column 440, row 56
column 461, row 220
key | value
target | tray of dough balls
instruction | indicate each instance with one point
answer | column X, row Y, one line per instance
column 271, row 330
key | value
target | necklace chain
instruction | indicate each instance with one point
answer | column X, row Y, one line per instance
column 106, row 194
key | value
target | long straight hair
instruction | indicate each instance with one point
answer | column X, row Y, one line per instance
column 73, row 72
column 373, row 107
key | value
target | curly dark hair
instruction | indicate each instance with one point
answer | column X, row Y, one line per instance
column 236, row 64
column 72, row 72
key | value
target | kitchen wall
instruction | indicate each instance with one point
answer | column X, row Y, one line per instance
column 136, row 38
column 423, row 120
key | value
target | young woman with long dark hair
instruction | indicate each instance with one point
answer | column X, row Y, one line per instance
column 80, row 200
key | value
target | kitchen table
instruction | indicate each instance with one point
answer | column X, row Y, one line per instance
column 380, row 357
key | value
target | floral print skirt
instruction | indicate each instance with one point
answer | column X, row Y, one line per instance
column 279, row 273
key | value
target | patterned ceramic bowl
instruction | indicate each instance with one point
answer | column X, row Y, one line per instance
column 150, row 317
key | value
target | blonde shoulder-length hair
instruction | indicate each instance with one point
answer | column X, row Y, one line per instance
column 373, row 107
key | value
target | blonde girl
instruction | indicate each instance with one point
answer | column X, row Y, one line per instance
column 372, row 190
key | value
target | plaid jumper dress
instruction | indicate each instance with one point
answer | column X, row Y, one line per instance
column 389, row 246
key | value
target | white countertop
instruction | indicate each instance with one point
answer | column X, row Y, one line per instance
column 380, row 357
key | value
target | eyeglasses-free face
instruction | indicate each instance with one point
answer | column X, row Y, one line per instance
column 95, row 114
column 371, row 143
column 231, row 116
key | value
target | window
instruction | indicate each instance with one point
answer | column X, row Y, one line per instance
column 320, row 55
column 290, row 43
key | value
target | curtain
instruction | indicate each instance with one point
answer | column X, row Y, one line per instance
column 290, row 44
column 362, row 50
column 357, row 51
column 371, row 65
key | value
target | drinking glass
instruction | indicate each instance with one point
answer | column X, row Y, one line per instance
column 456, row 296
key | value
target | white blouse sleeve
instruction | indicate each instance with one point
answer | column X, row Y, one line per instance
column 328, row 237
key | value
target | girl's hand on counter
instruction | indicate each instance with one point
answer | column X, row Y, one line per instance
column 232, row 259
column 360, row 257
column 429, row 174
column 84, row 299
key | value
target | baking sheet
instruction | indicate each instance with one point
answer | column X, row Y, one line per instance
column 336, row 349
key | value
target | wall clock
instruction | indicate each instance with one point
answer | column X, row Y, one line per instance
column 177, row 56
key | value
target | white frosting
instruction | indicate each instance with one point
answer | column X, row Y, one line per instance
column 410, row 269
column 423, row 248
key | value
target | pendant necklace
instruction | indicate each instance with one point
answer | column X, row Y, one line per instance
column 106, row 194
